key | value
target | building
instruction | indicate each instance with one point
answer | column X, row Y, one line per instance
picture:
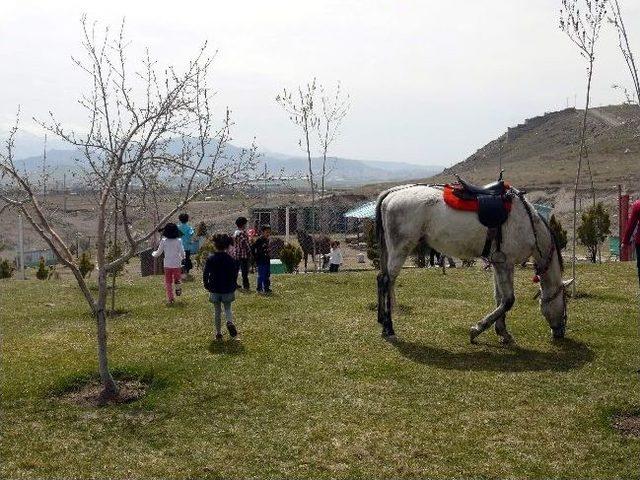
column 327, row 216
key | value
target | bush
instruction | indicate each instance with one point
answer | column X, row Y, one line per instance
column 420, row 253
column 206, row 249
column 6, row 269
column 559, row 233
column 43, row 272
column 114, row 252
column 373, row 252
column 85, row 265
column 201, row 230
column 594, row 229
column 291, row 256
column 275, row 247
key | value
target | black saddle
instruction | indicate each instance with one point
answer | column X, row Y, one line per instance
column 494, row 189
column 492, row 211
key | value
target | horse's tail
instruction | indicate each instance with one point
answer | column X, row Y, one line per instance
column 384, row 300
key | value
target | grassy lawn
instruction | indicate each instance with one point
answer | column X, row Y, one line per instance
column 311, row 390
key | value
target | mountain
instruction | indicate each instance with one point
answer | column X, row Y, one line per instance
column 342, row 171
column 541, row 153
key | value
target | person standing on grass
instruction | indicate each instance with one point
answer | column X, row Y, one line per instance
column 242, row 251
column 187, row 242
column 219, row 278
column 262, row 257
column 631, row 227
column 335, row 257
column 171, row 246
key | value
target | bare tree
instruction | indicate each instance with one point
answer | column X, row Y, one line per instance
column 625, row 46
column 334, row 109
column 301, row 109
column 582, row 21
column 144, row 129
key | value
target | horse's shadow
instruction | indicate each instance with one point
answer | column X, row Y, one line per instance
column 568, row 355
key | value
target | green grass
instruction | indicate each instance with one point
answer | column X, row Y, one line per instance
column 311, row 390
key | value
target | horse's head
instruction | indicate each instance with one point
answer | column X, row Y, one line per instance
column 554, row 308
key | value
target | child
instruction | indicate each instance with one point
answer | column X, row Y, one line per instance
column 242, row 250
column 219, row 278
column 263, row 260
column 173, row 250
column 335, row 257
column 187, row 232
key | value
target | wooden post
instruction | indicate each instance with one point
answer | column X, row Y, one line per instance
column 286, row 221
column 21, row 246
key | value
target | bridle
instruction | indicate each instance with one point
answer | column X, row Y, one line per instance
column 540, row 270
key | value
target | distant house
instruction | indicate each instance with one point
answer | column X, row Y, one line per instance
column 327, row 215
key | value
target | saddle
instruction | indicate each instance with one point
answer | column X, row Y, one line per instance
column 491, row 202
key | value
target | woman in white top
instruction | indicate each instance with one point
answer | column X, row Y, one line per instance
column 171, row 246
column 335, row 257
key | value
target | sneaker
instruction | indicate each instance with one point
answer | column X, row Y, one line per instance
column 218, row 336
column 268, row 292
column 232, row 330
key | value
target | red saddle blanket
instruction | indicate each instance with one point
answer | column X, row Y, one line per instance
column 468, row 205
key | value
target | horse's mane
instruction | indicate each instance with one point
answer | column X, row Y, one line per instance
column 556, row 243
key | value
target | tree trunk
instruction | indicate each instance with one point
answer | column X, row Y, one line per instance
column 110, row 388
column 583, row 134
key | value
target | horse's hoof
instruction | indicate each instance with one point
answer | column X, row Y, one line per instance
column 390, row 338
column 473, row 334
column 506, row 339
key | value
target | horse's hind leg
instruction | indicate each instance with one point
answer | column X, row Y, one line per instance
column 501, row 325
column 504, row 283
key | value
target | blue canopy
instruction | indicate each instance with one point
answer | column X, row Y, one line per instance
column 368, row 210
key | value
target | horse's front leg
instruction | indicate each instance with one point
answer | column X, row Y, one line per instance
column 503, row 278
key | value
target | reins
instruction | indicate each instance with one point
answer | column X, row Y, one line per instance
column 544, row 268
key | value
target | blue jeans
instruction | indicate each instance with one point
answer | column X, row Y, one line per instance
column 264, row 277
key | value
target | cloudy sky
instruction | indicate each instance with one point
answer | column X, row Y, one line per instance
column 430, row 81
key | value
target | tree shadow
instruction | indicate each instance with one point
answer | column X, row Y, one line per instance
column 227, row 347
column 567, row 355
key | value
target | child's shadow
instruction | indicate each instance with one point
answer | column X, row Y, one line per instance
column 228, row 347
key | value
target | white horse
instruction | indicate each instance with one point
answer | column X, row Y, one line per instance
column 405, row 214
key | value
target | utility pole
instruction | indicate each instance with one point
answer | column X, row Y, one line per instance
column 44, row 168
column 287, row 211
column 265, row 180
column 21, row 246
column 64, row 192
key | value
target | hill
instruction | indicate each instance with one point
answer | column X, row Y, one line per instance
column 342, row 171
column 541, row 153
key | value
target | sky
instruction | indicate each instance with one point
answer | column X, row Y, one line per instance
column 429, row 81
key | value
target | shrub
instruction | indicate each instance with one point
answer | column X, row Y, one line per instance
column 114, row 252
column 85, row 265
column 559, row 233
column 420, row 253
column 373, row 252
column 291, row 256
column 594, row 229
column 206, row 249
column 43, row 272
column 275, row 247
column 201, row 230
column 6, row 269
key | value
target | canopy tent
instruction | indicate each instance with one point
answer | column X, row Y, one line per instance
column 368, row 211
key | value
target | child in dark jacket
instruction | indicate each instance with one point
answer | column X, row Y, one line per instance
column 263, row 260
column 219, row 278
